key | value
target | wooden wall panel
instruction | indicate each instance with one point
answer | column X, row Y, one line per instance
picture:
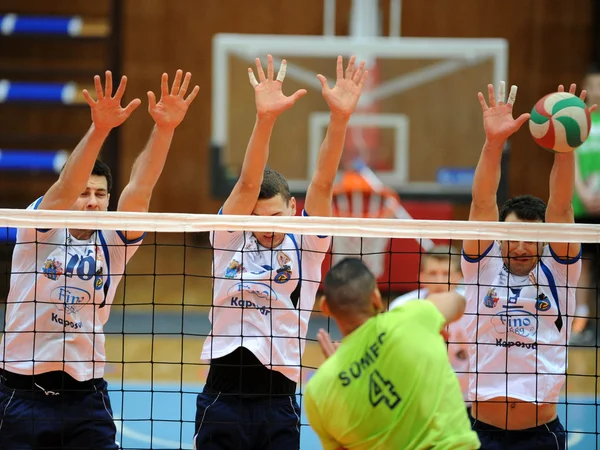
column 549, row 43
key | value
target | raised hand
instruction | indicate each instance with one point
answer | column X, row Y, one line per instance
column 327, row 346
column 172, row 107
column 106, row 111
column 498, row 121
column 342, row 99
column 582, row 96
column 269, row 98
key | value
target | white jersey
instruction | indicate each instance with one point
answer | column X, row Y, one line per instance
column 521, row 326
column 457, row 340
column 61, row 291
column 263, row 298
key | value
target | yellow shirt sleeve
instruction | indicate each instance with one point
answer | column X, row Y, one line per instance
column 423, row 314
column 317, row 424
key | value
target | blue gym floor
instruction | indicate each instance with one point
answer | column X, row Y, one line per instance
column 164, row 418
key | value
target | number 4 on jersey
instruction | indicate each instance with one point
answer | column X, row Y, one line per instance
column 380, row 390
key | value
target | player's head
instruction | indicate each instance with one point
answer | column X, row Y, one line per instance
column 274, row 199
column 521, row 256
column 591, row 83
column 350, row 293
column 96, row 195
column 440, row 269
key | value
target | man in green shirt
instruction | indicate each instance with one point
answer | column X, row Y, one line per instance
column 586, row 208
column 389, row 384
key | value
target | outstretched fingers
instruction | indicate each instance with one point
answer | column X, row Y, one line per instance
column 121, row 89
column 491, row 95
column 339, row 69
column 108, row 84
column 350, row 68
column 356, row 77
column 185, row 85
column 177, row 82
column 190, row 98
column 282, row 71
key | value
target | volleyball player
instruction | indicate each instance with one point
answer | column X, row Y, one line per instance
column 265, row 283
column 389, row 384
column 52, row 391
column 440, row 272
column 521, row 297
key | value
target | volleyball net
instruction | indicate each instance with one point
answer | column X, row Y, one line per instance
column 161, row 314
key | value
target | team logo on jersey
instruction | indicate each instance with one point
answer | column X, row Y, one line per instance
column 283, row 275
column 542, row 303
column 99, row 281
column 491, row 298
column 70, row 299
column 283, row 259
column 234, row 269
column 52, row 269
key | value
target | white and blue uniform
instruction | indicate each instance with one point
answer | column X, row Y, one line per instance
column 262, row 301
column 61, row 291
column 52, row 391
column 519, row 326
column 263, row 298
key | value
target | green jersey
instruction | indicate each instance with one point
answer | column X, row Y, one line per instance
column 390, row 385
column 588, row 159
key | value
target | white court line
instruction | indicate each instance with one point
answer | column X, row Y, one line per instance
column 574, row 439
column 146, row 439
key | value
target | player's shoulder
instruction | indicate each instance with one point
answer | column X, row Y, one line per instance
column 409, row 296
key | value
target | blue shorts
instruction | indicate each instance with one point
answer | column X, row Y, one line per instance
column 550, row 436
column 225, row 422
column 32, row 419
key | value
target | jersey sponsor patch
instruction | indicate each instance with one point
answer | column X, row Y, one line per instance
column 70, row 299
column 52, row 269
column 491, row 298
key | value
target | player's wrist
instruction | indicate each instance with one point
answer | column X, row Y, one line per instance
column 266, row 118
column 339, row 118
column 100, row 130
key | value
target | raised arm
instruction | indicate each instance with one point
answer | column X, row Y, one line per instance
column 562, row 188
column 499, row 125
column 106, row 115
column 342, row 100
column 450, row 304
column 270, row 103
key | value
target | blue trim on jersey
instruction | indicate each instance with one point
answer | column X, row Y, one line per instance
column 483, row 255
column 107, row 256
column 554, row 292
column 298, row 255
column 565, row 261
column 305, row 214
column 133, row 241
column 220, row 213
column 35, row 207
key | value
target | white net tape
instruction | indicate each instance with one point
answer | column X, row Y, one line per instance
column 332, row 226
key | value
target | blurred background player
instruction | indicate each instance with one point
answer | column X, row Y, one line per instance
column 355, row 196
column 265, row 283
column 388, row 384
column 520, row 297
column 52, row 390
column 586, row 207
column 440, row 272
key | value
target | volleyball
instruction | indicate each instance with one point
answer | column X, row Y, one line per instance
column 560, row 122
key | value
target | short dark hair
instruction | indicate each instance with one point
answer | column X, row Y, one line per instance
column 525, row 207
column 274, row 184
column 102, row 170
column 348, row 287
